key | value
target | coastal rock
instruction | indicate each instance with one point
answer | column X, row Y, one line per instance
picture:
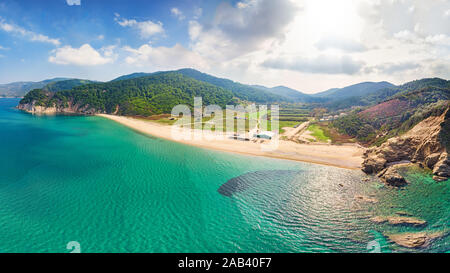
column 69, row 108
column 403, row 213
column 415, row 240
column 37, row 109
column 399, row 220
column 392, row 177
column 411, row 221
column 441, row 168
column 431, row 160
column 378, row 219
column 423, row 144
column 366, row 199
column 439, row 178
column 373, row 164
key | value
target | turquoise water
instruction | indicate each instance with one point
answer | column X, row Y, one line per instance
column 90, row 180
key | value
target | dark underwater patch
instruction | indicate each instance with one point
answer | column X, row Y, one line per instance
column 245, row 181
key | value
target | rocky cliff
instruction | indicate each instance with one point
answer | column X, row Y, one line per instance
column 425, row 144
column 68, row 108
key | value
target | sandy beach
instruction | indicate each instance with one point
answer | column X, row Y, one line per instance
column 344, row 156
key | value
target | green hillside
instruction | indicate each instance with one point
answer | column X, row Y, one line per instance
column 241, row 91
column 155, row 94
column 19, row 89
column 132, row 76
column 290, row 94
column 385, row 93
column 355, row 90
column 411, row 103
column 65, row 85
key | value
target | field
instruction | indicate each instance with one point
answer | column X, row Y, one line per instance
column 249, row 119
column 288, row 117
column 318, row 133
column 324, row 133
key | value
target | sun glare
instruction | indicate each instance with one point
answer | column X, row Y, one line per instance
column 331, row 17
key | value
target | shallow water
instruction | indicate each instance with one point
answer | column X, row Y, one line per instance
column 90, row 180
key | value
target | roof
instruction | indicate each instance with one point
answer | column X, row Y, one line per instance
column 267, row 133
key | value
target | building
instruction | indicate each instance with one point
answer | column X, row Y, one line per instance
column 265, row 134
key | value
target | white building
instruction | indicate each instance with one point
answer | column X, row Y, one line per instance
column 265, row 134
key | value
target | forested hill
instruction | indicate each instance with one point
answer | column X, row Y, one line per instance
column 65, row 85
column 132, row 76
column 406, row 106
column 241, row 91
column 19, row 89
column 385, row 93
column 355, row 90
column 154, row 94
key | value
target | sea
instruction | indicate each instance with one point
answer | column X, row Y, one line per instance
column 88, row 184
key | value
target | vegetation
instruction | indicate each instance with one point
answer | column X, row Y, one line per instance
column 383, row 94
column 356, row 90
column 318, row 133
column 445, row 132
column 290, row 94
column 240, row 91
column 132, row 76
column 399, row 113
column 65, row 85
column 156, row 94
column 373, row 118
column 19, row 89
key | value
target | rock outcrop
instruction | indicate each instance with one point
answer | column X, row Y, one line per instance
column 69, row 108
column 423, row 144
column 415, row 240
column 399, row 220
column 441, row 168
column 392, row 177
column 366, row 199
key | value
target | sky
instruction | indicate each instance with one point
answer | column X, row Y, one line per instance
column 308, row 45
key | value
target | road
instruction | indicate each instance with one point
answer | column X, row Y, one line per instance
column 291, row 133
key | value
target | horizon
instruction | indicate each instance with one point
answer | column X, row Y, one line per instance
column 250, row 84
column 255, row 42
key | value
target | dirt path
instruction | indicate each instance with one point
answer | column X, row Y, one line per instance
column 290, row 135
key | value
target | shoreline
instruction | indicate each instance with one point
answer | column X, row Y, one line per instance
column 342, row 156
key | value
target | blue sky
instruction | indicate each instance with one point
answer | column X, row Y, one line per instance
column 309, row 45
column 92, row 22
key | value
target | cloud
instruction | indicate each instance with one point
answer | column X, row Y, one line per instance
column 146, row 28
column 32, row 36
column 177, row 13
column 240, row 29
column 440, row 68
column 423, row 17
column 164, row 57
column 194, row 30
column 412, row 37
column 406, row 35
column 347, row 45
column 3, row 48
column 83, row 56
column 73, row 2
column 439, row 39
column 391, row 68
column 322, row 64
